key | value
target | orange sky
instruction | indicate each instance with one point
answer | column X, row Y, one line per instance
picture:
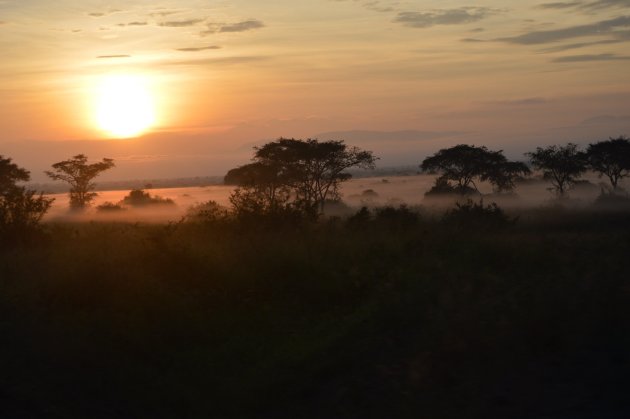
column 226, row 75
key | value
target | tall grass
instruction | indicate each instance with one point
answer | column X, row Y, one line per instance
column 395, row 315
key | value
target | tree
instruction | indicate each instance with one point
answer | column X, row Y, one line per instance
column 610, row 158
column 21, row 209
column 560, row 165
column 463, row 164
column 260, row 183
column 79, row 175
column 301, row 173
column 503, row 174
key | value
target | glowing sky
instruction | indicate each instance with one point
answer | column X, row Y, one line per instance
column 229, row 74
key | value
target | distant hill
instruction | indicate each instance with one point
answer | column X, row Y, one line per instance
column 362, row 136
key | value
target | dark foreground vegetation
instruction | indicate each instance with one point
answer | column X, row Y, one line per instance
column 387, row 314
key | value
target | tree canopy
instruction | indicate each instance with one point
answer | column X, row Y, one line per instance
column 561, row 165
column 78, row 173
column 463, row 164
column 302, row 173
column 610, row 158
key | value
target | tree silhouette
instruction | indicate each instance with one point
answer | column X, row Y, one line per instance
column 561, row 165
column 21, row 209
column 463, row 164
column 307, row 172
column 610, row 158
column 79, row 175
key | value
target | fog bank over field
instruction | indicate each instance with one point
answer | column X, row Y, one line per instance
column 370, row 191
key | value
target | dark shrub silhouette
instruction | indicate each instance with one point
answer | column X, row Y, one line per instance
column 396, row 218
column 110, row 207
column 140, row 198
column 21, row 209
column 208, row 213
column 473, row 215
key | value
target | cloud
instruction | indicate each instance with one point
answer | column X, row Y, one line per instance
column 181, row 23
column 246, row 25
column 444, row 17
column 595, row 29
column 133, row 24
column 587, row 57
column 107, row 13
column 114, row 56
column 193, row 49
column 223, row 61
column 579, row 45
column 164, row 13
column 604, row 4
column 606, row 119
column 363, row 136
column 472, row 40
column 559, row 5
column 521, row 102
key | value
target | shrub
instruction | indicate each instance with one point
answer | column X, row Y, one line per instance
column 140, row 198
column 476, row 216
column 110, row 207
column 208, row 212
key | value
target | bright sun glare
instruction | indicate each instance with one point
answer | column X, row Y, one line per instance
column 125, row 106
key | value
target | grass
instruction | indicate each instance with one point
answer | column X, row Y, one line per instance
column 375, row 319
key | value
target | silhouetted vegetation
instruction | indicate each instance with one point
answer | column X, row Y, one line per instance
column 140, row 198
column 21, row 209
column 463, row 164
column 264, row 310
column 110, row 207
column 561, row 165
column 477, row 216
column 611, row 159
column 78, row 173
column 294, row 176
column 394, row 314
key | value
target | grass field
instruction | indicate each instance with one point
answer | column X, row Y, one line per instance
column 388, row 317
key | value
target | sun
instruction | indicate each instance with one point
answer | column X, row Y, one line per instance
column 124, row 106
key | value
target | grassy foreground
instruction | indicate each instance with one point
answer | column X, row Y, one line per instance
column 373, row 319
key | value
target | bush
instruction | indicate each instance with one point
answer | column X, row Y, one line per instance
column 110, row 207
column 397, row 218
column 140, row 198
column 21, row 210
column 476, row 216
column 208, row 212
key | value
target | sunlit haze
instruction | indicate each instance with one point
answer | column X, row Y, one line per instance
column 192, row 85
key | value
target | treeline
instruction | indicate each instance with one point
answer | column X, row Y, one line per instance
column 292, row 178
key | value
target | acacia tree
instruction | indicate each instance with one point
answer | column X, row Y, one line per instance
column 610, row 158
column 561, row 165
column 21, row 209
column 301, row 173
column 78, row 173
column 463, row 164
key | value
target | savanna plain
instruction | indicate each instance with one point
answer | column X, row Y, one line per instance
column 406, row 308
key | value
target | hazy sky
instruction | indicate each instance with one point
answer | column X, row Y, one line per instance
column 229, row 74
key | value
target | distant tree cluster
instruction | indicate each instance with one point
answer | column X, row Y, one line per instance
column 289, row 175
column 461, row 166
